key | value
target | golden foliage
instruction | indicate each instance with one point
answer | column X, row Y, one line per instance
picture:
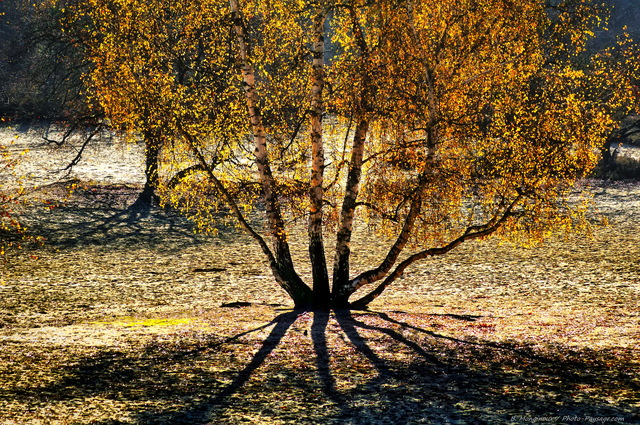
column 485, row 112
column 13, row 231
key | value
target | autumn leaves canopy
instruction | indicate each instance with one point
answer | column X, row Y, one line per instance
column 433, row 122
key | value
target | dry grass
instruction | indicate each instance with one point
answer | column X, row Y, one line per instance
column 118, row 320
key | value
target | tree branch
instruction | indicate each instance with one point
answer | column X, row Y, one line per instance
column 175, row 180
column 394, row 252
column 203, row 166
column 471, row 232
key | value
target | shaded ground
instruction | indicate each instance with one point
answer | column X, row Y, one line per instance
column 118, row 320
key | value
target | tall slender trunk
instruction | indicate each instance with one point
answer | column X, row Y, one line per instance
column 321, row 289
column 416, row 199
column 368, row 277
column 349, row 203
column 352, row 188
column 301, row 294
column 273, row 210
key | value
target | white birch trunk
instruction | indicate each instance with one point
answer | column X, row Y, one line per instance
column 321, row 288
column 286, row 271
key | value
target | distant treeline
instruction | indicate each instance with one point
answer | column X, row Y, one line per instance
column 40, row 68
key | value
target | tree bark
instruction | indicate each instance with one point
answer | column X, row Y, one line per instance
column 371, row 276
column 349, row 203
column 297, row 290
column 352, row 188
column 286, row 270
column 149, row 197
column 321, row 289
column 152, row 151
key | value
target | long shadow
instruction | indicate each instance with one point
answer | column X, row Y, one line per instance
column 111, row 367
column 116, row 219
column 520, row 352
column 448, row 380
column 112, row 222
column 323, row 363
column 282, row 324
column 560, row 374
column 347, row 324
column 147, row 375
column 214, row 406
column 395, row 335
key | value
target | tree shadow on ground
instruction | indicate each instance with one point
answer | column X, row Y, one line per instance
column 111, row 215
column 350, row 368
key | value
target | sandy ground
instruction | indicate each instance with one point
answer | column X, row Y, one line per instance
column 117, row 319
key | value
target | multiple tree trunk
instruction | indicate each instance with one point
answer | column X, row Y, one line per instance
column 322, row 295
column 460, row 124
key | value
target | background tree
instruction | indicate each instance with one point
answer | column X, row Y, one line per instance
column 157, row 61
column 13, row 232
column 38, row 79
column 41, row 77
column 433, row 122
column 40, row 71
column 614, row 40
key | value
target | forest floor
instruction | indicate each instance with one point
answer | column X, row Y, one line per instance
column 118, row 319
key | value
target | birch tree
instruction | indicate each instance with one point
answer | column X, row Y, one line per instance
column 431, row 122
